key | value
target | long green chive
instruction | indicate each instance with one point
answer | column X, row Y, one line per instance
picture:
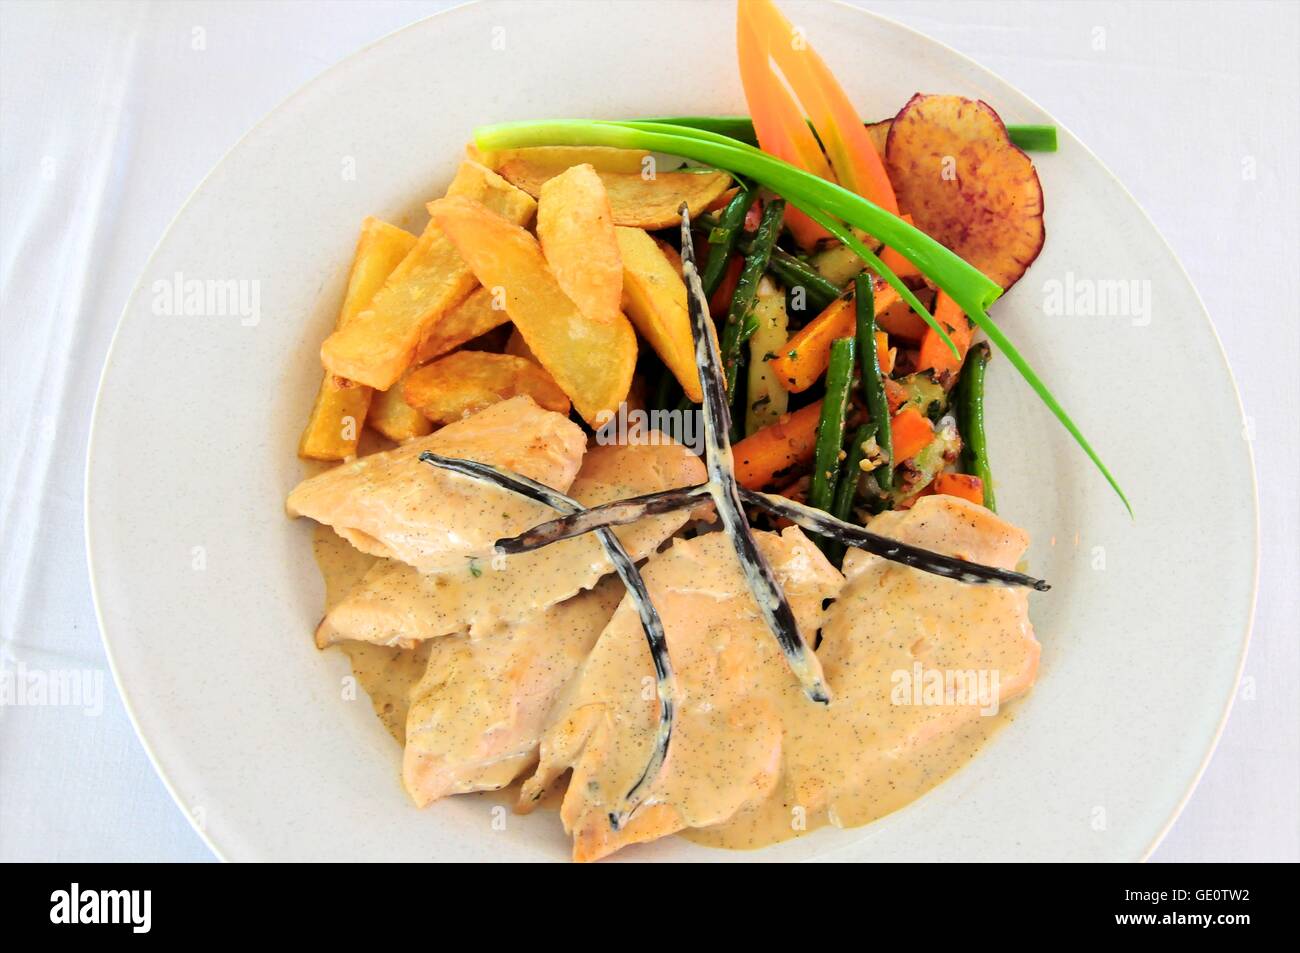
column 964, row 283
column 968, row 287
column 1030, row 137
column 844, row 234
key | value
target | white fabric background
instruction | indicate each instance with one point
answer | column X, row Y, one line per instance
column 109, row 117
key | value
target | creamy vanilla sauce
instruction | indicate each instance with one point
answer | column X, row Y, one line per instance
column 386, row 674
column 843, row 765
column 894, row 785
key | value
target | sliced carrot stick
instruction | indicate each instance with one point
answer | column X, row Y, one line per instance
column 883, row 357
column 960, row 484
column 779, row 123
column 721, row 299
column 934, row 354
column 766, row 455
column 804, row 358
column 901, row 321
column 911, row 432
column 855, row 160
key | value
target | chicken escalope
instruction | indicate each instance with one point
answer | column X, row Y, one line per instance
column 727, row 740
column 387, row 504
column 752, row 761
column 396, row 605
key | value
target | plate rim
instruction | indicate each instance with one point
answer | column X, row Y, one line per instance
column 1232, row 379
column 346, row 62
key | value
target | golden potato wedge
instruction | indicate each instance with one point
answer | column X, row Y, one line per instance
column 341, row 405
column 476, row 315
column 592, row 361
column 517, row 346
column 393, row 417
column 467, row 381
column 955, row 169
column 654, row 297
column 653, row 203
column 576, row 229
column 634, row 200
column 672, row 254
column 559, row 158
column 377, row 346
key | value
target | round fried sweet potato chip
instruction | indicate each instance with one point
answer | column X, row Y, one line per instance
column 965, row 183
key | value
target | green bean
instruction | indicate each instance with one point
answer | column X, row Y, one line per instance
column 873, row 381
column 722, row 238
column 742, row 302
column 830, row 428
column 793, row 273
column 847, row 487
column 970, row 420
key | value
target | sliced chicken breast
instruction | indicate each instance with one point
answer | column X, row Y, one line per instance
column 477, row 714
column 396, row 605
column 726, row 746
column 387, row 504
column 919, row 667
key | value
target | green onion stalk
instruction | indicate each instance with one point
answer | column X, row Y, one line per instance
column 967, row 286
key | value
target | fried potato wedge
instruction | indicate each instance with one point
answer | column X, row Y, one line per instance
column 465, row 382
column 393, row 417
column 476, row 315
column 576, row 229
column 592, row 361
column 517, row 346
column 636, row 201
column 334, row 426
column 955, row 169
column 654, row 297
column 376, row 347
column 559, row 158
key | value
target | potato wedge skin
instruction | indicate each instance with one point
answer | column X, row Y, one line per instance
column 636, row 201
column 956, row 170
column 559, row 158
column 467, row 381
column 381, row 342
column 334, row 426
column 592, row 361
column 654, row 297
column 476, row 315
column 576, row 229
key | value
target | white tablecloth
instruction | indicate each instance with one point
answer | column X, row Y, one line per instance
column 112, row 113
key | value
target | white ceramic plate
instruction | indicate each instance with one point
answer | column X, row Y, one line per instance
column 207, row 594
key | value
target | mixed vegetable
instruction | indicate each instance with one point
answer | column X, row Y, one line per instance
column 939, row 206
column 848, row 267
